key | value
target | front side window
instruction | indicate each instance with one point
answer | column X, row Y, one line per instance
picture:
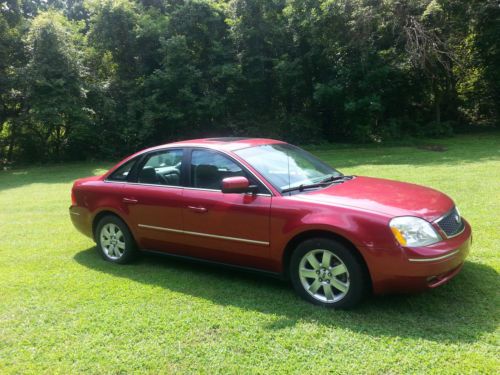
column 209, row 168
column 286, row 166
column 162, row 168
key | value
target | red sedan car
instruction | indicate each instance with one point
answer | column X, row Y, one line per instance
column 267, row 205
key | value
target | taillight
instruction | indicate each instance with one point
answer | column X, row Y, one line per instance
column 73, row 198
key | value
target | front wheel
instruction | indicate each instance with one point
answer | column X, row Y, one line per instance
column 114, row 240
column 327, row 273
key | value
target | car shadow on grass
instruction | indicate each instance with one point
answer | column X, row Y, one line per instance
column 461, row 311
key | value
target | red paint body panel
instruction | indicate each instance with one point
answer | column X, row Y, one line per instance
column 158, row 206
column 229, row 216
column 255, row 230
column 392, row 198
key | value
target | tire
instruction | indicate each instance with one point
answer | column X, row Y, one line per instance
column 341, row 283
column 114, row 240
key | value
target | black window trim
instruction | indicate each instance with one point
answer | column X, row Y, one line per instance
column 140, row 160
column 185, row 170
column 134, row 160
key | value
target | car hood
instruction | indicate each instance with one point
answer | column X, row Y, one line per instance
column 392, row 198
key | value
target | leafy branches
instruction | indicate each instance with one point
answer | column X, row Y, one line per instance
column 91, row 78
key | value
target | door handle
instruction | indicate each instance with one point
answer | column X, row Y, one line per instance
column 198, row 209
column 130, row 200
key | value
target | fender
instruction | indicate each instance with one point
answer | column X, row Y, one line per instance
column 96, row 216
column 351, row 225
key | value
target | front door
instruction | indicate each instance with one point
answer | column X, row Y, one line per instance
column 231, row 228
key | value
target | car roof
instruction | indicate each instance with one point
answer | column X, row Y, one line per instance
column 220, row 143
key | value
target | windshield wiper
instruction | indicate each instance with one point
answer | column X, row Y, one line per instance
column 325, row 182
column 303, row 187
column 336, row 178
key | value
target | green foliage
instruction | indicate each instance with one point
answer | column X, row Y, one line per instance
column 94, row 78
column 55, row 119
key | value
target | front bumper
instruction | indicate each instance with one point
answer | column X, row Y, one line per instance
column 418, row 269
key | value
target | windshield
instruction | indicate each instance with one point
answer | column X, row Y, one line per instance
column 286, row 166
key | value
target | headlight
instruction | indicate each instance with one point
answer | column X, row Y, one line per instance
column 412, row 231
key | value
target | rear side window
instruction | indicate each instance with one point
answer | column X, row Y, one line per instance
column 122, row 172
column 162, row 168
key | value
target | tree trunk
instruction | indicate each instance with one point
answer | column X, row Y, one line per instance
column 12, row 142
column 438, row 112
column 437, row 100
column 58, row 144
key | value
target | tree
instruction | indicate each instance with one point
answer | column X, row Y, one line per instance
column 96, row 78
column 55, row 116
column 11, row 60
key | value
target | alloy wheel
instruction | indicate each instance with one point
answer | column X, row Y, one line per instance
column 112, row 241
column 324, row 276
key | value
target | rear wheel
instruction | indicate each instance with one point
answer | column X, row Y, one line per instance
column 327, row 273
column 114, row 240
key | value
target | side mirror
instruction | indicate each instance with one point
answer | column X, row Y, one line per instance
column 236, row 185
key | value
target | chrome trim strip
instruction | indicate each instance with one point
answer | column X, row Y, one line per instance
column 263, row 243
column 143, row 184
column 74, row 213
column 456, row 234
column 444, row 215
column 175, row 187
column 449, row 255
column 160, row 228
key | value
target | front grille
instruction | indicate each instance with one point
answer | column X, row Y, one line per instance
column 451, row 224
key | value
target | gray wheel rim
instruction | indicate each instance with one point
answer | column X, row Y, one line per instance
column 112, row 241
column 324, row 276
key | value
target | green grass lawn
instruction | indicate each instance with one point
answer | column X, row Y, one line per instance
column 63, row 309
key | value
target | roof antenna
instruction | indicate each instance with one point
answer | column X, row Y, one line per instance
column 288, row 164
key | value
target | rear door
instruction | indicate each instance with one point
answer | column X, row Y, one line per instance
column 154, row 200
